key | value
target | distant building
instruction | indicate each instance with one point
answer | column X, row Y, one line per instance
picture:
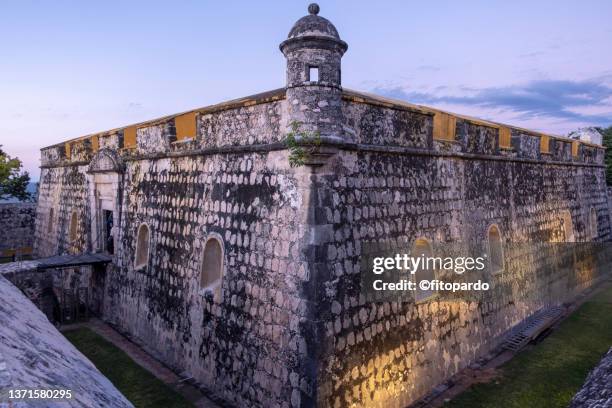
column 587, row 134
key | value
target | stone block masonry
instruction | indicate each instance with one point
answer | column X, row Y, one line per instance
column 391, row 352
column 278, row 320
column 596, row 391
column 16, row 229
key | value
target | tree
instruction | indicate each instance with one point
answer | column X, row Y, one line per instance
column 13, row 182
column 607, row 142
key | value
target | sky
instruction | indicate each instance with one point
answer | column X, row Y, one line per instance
column 70, row 68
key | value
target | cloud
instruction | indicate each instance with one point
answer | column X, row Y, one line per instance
column 580, row 101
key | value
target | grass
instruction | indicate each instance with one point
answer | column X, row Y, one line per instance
column 549, row 374
column 137, row 384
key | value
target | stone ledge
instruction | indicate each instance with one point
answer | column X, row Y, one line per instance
column 349, row 146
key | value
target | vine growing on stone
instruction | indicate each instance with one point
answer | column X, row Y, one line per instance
column 301, row 144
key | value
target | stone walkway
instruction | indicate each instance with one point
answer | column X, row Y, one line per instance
column 142, row 358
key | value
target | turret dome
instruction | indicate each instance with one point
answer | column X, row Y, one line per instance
column 314, row 27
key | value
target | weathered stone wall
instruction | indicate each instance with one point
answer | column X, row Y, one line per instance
column 63, row 190
column 392, row 353
column 376, row 125
column 610, row 201
column 243, row 126
column 17, row 229
column 48, row 288
column 247, row 345
column 290, row 327
column 34, row 355
column 37, row 286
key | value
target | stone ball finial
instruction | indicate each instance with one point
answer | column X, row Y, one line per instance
column 314, row 9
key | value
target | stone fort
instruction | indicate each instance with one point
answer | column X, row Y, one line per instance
column 236, row 254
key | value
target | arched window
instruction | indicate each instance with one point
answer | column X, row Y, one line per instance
column 496, row 249
column 142, row 247
column 593, row 223
column 212, row 265
column 422, row 249
column 50, row 221
column 567, row 225
column 73, row 226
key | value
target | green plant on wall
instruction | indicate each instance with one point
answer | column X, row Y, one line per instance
column 301, row 144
